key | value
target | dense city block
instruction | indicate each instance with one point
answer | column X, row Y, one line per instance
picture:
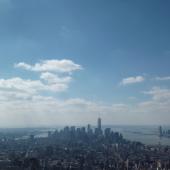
column 81, row 148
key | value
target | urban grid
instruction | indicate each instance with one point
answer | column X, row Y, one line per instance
column 82, row 148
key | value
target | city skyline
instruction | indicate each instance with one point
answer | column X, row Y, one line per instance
column 70, row 62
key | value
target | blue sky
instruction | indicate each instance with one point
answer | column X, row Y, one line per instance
column 122, row 47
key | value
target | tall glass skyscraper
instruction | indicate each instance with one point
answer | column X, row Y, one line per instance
column 99, row 123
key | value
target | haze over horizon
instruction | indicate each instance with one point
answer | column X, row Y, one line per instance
column 69, row 62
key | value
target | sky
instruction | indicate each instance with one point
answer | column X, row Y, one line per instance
column 67, row 62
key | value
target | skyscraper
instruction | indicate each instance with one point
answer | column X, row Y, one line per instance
column 99, row 122
column 160, row 131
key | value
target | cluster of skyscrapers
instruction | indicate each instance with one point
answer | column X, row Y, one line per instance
column 163, row 132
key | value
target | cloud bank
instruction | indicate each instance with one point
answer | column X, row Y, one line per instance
column 63, row 66
column 32, row 102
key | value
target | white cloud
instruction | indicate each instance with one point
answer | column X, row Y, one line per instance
column 19, row 85
column 55, row 75
column 16, row 88
column 61, row 66
column 162, row 78
column 132, row 80
column 159, row 94
column 41, row 110
column 53, row 78
column 24, row 103
column 157, row 108
column 23, row 66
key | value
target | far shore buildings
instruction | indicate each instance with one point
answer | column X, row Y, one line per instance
column 164, row 132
